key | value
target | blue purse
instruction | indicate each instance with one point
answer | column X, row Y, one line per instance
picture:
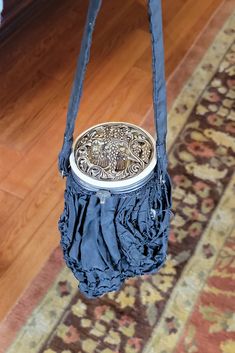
column 117, row 200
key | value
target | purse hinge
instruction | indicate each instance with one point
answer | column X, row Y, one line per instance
column 103, row 194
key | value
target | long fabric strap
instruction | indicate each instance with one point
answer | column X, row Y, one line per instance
column 159, row 86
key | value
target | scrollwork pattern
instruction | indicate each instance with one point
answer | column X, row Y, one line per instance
column 113, row 152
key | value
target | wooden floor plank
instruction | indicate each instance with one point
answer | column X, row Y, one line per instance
column 33, row 255
column 29, row 47
column 10, row 158
column 17, row 231
column 184, row 28
column 117, row 104
column 26, row 107
column 9, row 204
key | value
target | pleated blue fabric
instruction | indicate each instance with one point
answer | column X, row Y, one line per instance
column 127, row 236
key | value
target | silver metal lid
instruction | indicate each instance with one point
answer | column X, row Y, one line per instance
column 113, row 155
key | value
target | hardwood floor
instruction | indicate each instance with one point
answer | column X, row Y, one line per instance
column 37, row 65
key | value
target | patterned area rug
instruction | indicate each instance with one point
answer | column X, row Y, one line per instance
column 189, row 305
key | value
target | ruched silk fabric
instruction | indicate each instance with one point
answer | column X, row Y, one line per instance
column 127, row 236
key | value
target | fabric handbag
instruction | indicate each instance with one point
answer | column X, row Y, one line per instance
column 117, row 200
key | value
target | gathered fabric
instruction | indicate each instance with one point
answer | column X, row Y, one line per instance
column 127, row 236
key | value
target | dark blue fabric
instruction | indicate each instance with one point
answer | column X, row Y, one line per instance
column 127, row 236
column 93, row 9
column 104, row 244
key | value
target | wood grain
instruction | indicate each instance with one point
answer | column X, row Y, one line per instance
column 37, row 66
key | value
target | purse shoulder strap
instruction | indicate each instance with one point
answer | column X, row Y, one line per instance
column 159, row 86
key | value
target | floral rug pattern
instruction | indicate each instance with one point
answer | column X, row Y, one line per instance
column 196, row 285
